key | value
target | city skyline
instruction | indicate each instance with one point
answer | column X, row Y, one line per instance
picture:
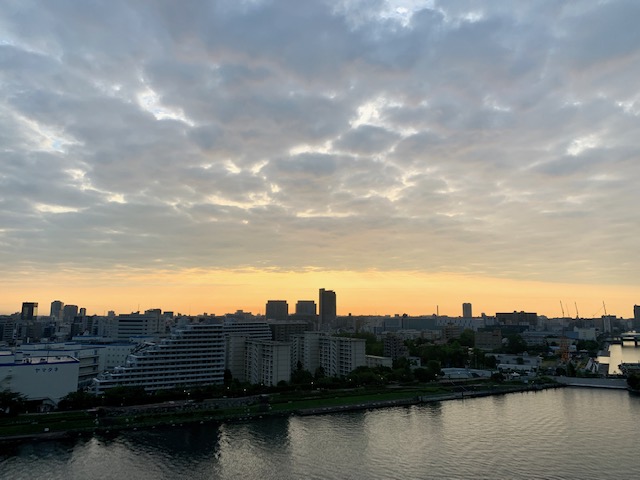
column 409, row 155
column 386, row 304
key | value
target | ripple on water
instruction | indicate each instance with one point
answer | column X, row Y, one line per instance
column 567, row 433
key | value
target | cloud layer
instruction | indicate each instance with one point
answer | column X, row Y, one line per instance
column 493, row 138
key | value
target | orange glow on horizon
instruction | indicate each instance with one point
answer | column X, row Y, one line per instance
column 359, row 293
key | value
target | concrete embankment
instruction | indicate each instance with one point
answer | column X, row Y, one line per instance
column 612, row 383
column 170, row 414
column 461, row 395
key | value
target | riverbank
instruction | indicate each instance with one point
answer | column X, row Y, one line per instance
column 106, row 421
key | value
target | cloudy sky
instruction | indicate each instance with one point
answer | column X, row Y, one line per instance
column 411, row 155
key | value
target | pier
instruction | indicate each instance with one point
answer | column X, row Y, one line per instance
column 626, row 337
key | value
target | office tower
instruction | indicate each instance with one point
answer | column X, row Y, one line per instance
column 306, row 307
column 328, row 309
column 636, row 317
column 466, row 310
column 69, row 312
column 56, row 309
column 277, row 310
column 29, row 311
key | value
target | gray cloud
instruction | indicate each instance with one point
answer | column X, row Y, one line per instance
column 487, row 137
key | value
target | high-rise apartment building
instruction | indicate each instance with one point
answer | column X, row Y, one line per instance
column 69, row 312
column 277, row 310
column 193, row 355
column 29, row 311
column 328, row 309
column 56, row 309
column 267, row 362
column 466, row 310
column 306, row 307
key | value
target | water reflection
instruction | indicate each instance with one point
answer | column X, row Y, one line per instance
column 618, row 354
column 565, row 433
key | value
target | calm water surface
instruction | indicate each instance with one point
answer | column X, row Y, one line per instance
column 618, row 354
column 556, row 434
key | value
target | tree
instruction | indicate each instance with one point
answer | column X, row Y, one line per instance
column 422, row 375
column 434, row 368
column 490, row 361
column 515, row 344
column 78, row 401
column 12, row 403
column 120, row 395
column 468, row 338
column 301, row 377
column 228, row 377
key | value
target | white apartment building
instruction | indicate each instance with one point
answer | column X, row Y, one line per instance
column 339, row 356
column 258, row 329
column 267, row 362
column 193, row 355
column 305, row 349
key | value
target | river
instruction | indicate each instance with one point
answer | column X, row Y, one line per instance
column 553, row 434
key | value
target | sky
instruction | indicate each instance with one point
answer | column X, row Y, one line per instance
column 207, row 156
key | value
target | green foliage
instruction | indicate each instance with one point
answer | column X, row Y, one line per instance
column 590, row 346
column 366, row 376
column 301, row 377
column 373, row 346
column 119, row 396
column 468, row 338
column 79, row 400
column 425, row 375
column 515, row 344
column 434, row 368
column 449, row 355
column 490, row 361
column 12, row 403
column 401, row 363
column 228, row 377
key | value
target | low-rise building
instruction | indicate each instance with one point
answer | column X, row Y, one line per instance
column 40, row 376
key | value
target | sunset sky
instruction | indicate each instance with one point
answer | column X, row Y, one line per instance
column 207, row 156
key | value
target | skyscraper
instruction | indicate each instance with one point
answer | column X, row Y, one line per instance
column 277, row 310
column 328, row 309
column 306, row 307
column 466, row 310
column 29, row 311
column 56, row 309
column 69, row 312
